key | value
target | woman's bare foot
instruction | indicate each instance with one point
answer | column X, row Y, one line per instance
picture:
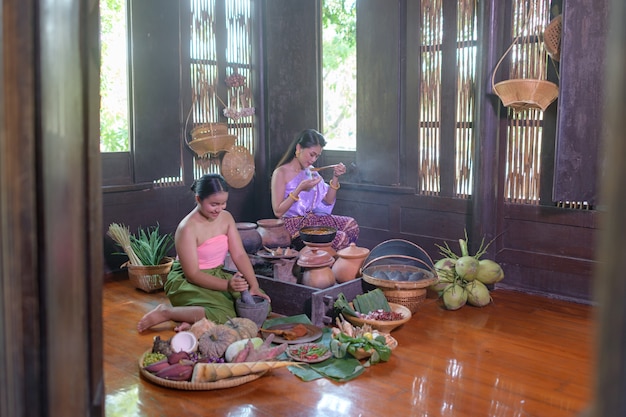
column 156, row 316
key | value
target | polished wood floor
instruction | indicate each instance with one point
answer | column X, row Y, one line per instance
column 520, row 356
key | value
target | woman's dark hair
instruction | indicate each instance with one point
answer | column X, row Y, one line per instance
column 208, row 185
column 306, row 139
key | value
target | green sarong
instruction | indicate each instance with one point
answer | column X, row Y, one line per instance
column 219, row 306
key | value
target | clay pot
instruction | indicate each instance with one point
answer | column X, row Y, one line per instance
column 317, row 272
column 326, row 247
column 349, row 261
column 250, row 237
column 273, row 233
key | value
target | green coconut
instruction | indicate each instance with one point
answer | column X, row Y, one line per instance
column 477, row 294
column 454, row 297
column 489, row 272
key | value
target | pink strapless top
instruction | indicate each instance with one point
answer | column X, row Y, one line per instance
column 212, row 252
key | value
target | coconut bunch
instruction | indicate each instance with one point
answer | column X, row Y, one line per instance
column 463, row 279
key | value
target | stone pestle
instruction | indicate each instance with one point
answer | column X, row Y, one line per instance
column 246, row 297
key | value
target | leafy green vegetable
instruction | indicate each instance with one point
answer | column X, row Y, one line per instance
column 339, row 370
column 344, row 306
column 342, row 344
column 150, row 246
column 371, row 301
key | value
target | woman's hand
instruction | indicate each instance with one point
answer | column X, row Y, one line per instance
column 257, row 291
column 339, row 170
column 237, row 283
column 306, row 185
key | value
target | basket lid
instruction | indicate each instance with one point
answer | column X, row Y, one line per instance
column 399, row 276
column 403, row 251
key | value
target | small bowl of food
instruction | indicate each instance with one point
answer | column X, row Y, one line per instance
column 318, row 234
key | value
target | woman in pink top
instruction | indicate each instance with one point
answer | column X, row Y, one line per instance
column 198, row 286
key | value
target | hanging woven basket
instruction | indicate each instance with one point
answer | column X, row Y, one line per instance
column 237, row 166
column 552, row 38
column 523, row 93
column 211, row 138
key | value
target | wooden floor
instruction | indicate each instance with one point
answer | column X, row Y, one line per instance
column 520, row 356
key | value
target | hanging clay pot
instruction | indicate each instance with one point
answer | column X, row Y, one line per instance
column 349, row 262
column 317, row 272
column 273, row 233
column 250, row 237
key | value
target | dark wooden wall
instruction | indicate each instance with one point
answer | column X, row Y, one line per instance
column 543, row 249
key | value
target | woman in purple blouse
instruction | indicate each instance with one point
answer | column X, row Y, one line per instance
column 302, row 198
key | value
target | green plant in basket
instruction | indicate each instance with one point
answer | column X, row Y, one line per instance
column 150, row 245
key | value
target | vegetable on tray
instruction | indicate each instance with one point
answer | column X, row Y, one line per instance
column 309, row 352
column 210, row 372
column 356, row 340
column 363, row 304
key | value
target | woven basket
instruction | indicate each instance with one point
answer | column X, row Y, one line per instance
column 411, row 299
column 381, row 325
column 361, row 353
column 370, row 276
column 552, row 37
column 237, row 166
column 523, row 94
column 196, row 386
column 211, row 138
column 149, row 278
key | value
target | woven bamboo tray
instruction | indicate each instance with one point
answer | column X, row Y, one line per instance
column 196, row 386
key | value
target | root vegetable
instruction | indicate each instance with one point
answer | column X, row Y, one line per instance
column 235, row 348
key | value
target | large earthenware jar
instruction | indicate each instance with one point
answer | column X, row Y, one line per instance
column 250, row 237
column 317, row 272
column 349, row 261
column 273, row 233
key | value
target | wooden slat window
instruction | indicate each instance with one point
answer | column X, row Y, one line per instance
column 430, row 96
column 466, row 75
column 527, row 59
column 433, row 148
column 220, row 45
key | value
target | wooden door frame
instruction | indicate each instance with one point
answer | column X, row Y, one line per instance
column 50, row 210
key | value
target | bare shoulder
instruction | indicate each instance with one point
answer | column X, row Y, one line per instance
column 282, row 175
